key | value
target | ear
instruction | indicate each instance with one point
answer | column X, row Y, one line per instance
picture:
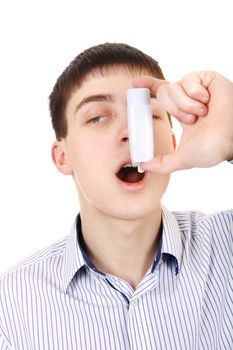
column 59, row 158
column 174, row 140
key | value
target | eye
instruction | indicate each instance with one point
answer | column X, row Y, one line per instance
column 98, row 119
column 156, row 117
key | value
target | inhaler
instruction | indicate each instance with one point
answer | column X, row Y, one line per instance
column 140, row 126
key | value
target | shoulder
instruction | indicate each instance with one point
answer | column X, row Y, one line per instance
column 207, row 235
column 197, row 222
column 19, row 285
column 41, row 262
column 26, row 286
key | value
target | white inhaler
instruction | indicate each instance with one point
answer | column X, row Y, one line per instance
column 140, row 126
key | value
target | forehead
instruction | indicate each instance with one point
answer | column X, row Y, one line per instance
column 111, row 80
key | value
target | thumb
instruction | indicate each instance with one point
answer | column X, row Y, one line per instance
column 149, row 82
column 164, row 164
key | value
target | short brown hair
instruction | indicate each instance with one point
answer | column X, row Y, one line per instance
column 93, row 59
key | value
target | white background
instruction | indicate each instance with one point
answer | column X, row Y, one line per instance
column 38, row 39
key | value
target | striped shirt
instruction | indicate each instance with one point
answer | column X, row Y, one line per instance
column 57, row 300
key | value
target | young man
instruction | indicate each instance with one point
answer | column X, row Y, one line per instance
column 131, row 275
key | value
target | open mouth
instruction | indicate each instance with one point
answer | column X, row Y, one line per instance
column 129, row 173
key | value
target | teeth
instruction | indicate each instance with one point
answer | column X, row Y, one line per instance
column 128, row 165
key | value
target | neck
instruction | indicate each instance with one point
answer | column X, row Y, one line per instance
column 123, row 248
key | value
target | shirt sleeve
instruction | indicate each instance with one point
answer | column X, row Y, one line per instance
column 4, row 343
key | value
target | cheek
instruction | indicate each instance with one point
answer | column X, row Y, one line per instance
column 163, row 142
column 88, row 150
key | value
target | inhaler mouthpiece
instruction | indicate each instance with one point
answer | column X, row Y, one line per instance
column 140, row 126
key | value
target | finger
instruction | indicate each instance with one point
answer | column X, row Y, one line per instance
column 179, row 104
column 193, row 86
column 149, row 82
column 156, row 86
column 164, row 164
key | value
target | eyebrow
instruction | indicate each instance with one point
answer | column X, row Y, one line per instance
column 94, row 98
column 100, row 98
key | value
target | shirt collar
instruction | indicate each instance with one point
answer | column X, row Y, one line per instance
column 171, row 238
column 74, row 259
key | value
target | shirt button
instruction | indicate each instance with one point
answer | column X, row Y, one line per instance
column 134, row 303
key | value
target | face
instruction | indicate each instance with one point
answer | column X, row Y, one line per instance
column 96, row 148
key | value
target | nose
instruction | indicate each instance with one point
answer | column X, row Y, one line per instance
column 123, row 131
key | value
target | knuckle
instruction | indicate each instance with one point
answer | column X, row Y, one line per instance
column 193, row 90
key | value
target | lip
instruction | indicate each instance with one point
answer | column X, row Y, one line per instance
column 134, row 187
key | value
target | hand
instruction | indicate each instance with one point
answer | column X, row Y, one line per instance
column 203, row 103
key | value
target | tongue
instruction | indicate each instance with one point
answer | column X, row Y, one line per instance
column 130, row 175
